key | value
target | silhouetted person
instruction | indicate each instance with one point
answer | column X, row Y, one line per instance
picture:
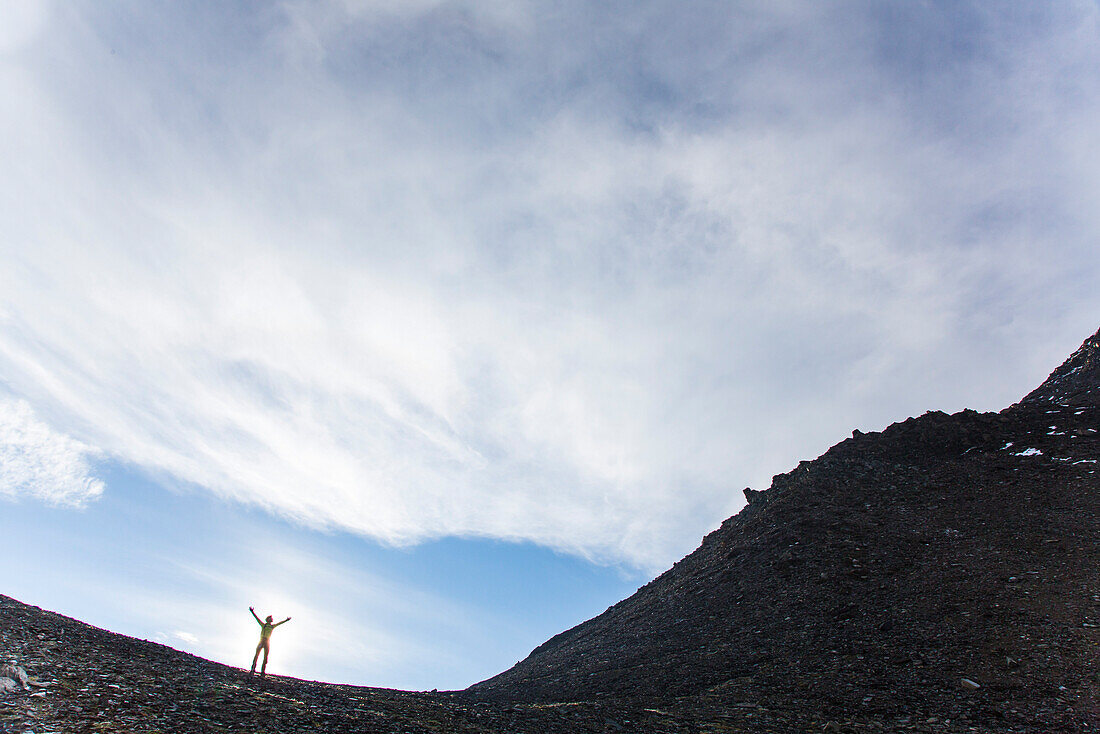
column 266, row 628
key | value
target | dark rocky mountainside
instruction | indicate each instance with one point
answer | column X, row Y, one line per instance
column 941, row 575
column 877, row 578
column 1076, row 382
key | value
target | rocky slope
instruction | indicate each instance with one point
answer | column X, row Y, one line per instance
column 877, row 578
column 1076, row 381
column 84, row 679
column 941, row 575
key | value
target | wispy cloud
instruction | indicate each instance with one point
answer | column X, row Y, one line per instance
column 38, row 462
column 187, row 637
column 536, row 271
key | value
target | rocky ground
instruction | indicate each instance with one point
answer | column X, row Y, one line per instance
column 84, row 679
column 941, row 575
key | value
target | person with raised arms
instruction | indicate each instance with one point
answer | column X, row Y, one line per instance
column 266, row 628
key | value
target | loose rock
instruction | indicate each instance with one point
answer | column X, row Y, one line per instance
column 15, row 673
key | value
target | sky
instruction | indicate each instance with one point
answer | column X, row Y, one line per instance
column 440, row 326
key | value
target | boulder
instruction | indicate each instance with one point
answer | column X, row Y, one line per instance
column 14, row 673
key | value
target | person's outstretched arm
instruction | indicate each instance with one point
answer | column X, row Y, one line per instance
column 283, row 622
column 254, row 615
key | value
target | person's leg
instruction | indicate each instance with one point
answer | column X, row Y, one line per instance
column 267, row 649
column 258, row 648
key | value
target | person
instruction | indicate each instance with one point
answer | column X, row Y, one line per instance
column 266, row 628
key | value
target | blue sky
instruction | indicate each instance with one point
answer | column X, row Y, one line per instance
column 440, row 326
column 184, row 568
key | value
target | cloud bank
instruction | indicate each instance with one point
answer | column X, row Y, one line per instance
column 536, row 271
column 37, row 462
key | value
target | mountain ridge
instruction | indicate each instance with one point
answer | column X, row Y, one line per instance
column 824, row 580
column 1076, row 381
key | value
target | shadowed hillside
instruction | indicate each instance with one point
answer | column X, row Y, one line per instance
column 878, row 577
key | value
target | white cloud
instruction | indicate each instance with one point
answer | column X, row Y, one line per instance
column 38, row 462
column 187, row 637
column 568, row 277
